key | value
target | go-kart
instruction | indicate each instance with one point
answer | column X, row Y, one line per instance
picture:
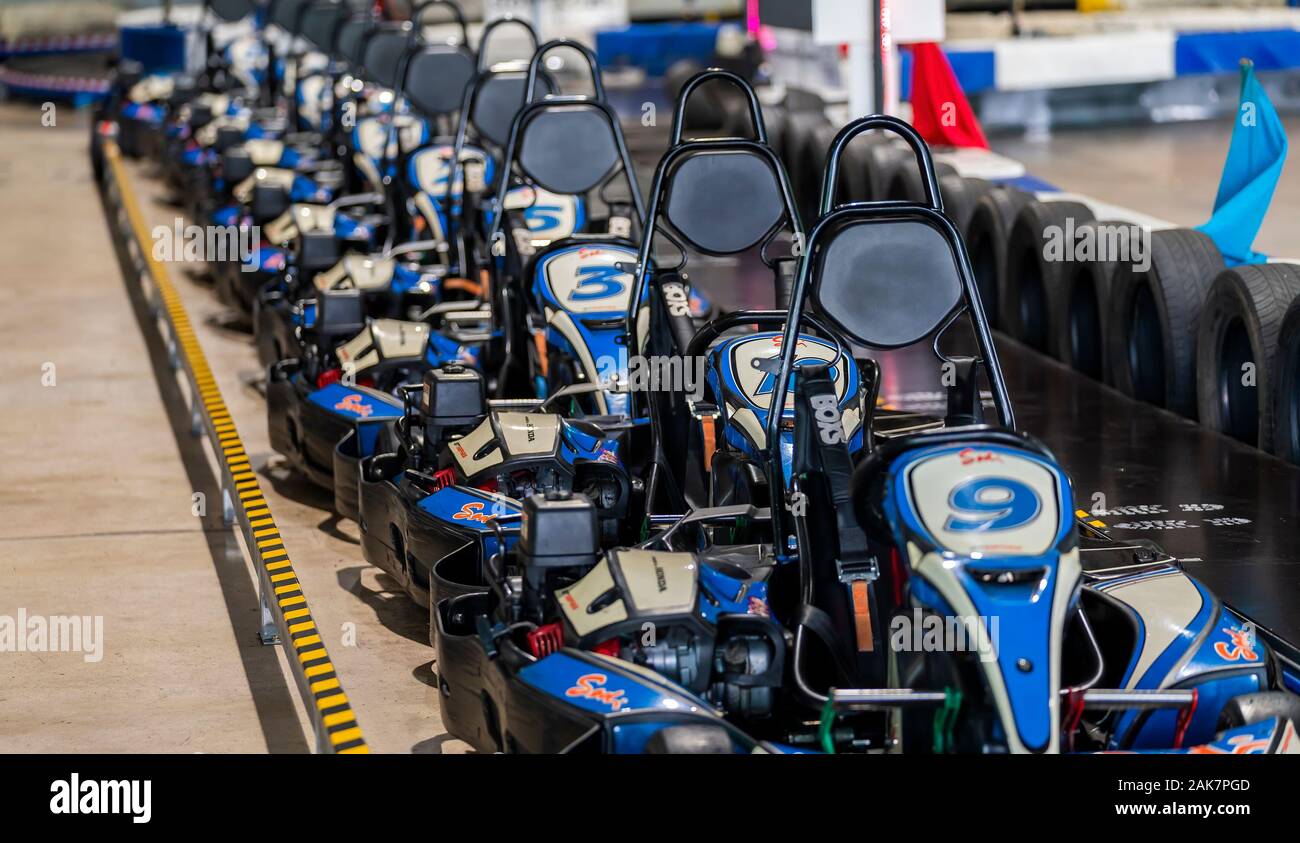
column 306, row 411
column 1069, row 641
column 1074, row 642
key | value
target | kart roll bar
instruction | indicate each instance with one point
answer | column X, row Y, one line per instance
column 832, row 218
column 457, row 13
column 534, row 66
column 678, row 150
column 679, row 112
column 496, row 23
column 482, row 73
column 870, row 699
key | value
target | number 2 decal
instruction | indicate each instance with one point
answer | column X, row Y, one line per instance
column 598, row 282
column 991, row 503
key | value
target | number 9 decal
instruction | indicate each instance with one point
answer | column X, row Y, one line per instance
column 991, row 503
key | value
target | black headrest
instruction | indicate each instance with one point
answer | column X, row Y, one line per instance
column 436, row 76
column 320, row 23
column 724, row 201
column 283, row 13
column 351, row 38
column 568, row 149
column 885, row 281
column 232, row 10
column 384, row 51
column 499, row 98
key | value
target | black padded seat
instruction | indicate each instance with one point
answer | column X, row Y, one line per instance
column 568, row 149
column 887, row 282
column 724, row 201
column 436, row 77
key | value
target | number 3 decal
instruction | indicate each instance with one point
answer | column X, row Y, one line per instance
column 598, row 282
column 991, row 503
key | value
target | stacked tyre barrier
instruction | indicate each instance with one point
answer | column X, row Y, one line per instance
column 1155, row 312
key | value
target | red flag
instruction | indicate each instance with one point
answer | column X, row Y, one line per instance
column 940, row 111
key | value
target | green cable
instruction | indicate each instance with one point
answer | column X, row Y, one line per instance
column 945, row 719
column 825, row 727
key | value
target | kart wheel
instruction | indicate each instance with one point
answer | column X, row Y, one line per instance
column 1152, row 317
column 1078, row 315
column 986, row 242
column 690, row 739
column 1039, row 259
column 906, row 184
column 1235, row 349
column 1286, row 387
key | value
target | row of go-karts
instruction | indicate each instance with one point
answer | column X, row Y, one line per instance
column 480, row 335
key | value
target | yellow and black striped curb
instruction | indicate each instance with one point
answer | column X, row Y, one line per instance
column 328, row 706
column 1089, row 519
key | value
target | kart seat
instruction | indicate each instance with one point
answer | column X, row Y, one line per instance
column 742, row 371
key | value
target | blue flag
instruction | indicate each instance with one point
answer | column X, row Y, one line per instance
column 1250, row 173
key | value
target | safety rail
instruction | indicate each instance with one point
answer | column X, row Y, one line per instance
column 285, row 612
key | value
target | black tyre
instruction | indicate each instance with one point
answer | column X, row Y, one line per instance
column 811, row 166
column 906, row 184
column 1286, row 387
column 800, row 145
column 960, row 196
column 1236, row 344
column 986, row 241
column 853, row 184
column 1152, row 319
column 774, row 118
column 1040, row 254
column 884, row 157
column 1078, row 314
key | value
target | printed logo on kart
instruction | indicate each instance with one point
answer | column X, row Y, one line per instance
column 590, row 686
column 1235, row 745
column 1240, row 645
column 472, row 512
column 354, row 403
column 757, row 384
column 826, row 410
column 675, row 297
column 970, row 456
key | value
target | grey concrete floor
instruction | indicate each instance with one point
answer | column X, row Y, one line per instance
column 377, row 637
column 96, row 504
column 100, row 474
column 1168, row 171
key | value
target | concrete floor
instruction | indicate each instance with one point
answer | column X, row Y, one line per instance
column 100, row 476
column 377, row 637
column 97, row 502
column 1170, row 171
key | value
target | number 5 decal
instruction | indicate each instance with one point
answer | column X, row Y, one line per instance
column 991, row 503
